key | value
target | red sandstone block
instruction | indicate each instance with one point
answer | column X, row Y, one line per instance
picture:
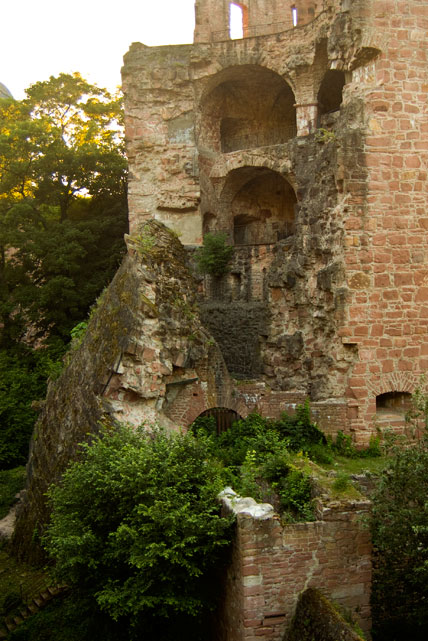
column 387, row 366
column 252, row 623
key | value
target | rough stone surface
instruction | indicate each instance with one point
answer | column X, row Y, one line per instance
column 316, row 618
column 308, row 146
column 145, row 353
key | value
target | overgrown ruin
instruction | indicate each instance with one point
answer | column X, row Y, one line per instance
column 307, row 145
column 306, row 142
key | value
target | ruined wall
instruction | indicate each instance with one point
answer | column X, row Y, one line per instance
column 272, row 564
column 259, row 16
column 307, row 146
column 145, row 350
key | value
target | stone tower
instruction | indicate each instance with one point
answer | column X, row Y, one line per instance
column 306, row 142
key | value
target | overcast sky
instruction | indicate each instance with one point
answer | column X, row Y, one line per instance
column 42, row 38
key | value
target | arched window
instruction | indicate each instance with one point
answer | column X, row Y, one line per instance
column 251, row 106
column 393, row 403
column 262, row 204
column 294, row 16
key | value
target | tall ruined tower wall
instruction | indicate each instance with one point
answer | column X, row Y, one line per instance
column 307, row 146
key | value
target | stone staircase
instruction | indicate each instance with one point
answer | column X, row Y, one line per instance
column 26, row 610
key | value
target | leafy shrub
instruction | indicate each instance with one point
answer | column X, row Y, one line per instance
column 399, row 527
column 136, row 525
column 341, row 482
column 215, row 255
column 299, row 430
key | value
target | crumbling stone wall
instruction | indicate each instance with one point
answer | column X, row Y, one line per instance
column 144, row 355
column 273, row 563
column 328, row 281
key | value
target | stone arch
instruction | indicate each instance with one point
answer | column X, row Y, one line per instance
column 246, row 106
column 258, row 206
column 393, row 403
column 330, row 93
column 224, row 417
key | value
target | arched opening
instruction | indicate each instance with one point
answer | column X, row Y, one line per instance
column 250, row 106
column 262, row 206
column 331, row 92
column 395, row 403
column 224, row 417
column 238, row 20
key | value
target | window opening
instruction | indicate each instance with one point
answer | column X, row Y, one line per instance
column 294, row 16
column 224, row 417
column 394, row 403
column 236, row 24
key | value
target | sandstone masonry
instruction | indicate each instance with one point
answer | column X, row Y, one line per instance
column 308, row 146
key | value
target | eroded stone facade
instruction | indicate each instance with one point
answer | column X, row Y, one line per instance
column 308, row 147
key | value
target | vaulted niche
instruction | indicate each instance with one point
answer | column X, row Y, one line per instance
column 330, row 92
column 250, row 106
column 262, row 206
column 393, row 403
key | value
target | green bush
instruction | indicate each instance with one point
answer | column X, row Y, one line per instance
column 215, row 255
column 23, row 375
column 136, row 525
column 399, row 527
column 299, row 430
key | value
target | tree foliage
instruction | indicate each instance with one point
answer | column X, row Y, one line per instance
column 62, row 204
column 136, row 524
column 63, row 213
column 400, row 538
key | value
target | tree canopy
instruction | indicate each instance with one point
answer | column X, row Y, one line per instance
column 62, row 203
column 63, row 214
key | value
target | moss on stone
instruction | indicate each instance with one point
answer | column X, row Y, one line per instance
column 317, row 619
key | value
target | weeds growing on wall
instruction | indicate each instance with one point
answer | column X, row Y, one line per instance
column 265, row 458
column 215, row 255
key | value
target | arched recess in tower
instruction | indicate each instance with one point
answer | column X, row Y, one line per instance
column 249, row 106
column 330, row 93
column 261, row 206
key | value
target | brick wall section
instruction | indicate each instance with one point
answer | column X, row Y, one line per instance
column 385, row 240
column 272, row 564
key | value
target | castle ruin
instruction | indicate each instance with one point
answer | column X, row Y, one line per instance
column 305, row 141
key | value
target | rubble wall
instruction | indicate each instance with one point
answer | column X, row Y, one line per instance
column 327, row 302
column 145, row 350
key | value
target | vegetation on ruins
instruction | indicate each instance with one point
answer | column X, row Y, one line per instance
column 215, row 255
column 136, row 528
column 399, row 528
column 137, row 535
column 63, row 213
column 270, row 460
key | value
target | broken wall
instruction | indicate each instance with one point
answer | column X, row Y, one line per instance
column 272, row 563
column 326, row 294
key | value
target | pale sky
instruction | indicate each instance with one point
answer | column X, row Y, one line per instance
column 41, row 38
